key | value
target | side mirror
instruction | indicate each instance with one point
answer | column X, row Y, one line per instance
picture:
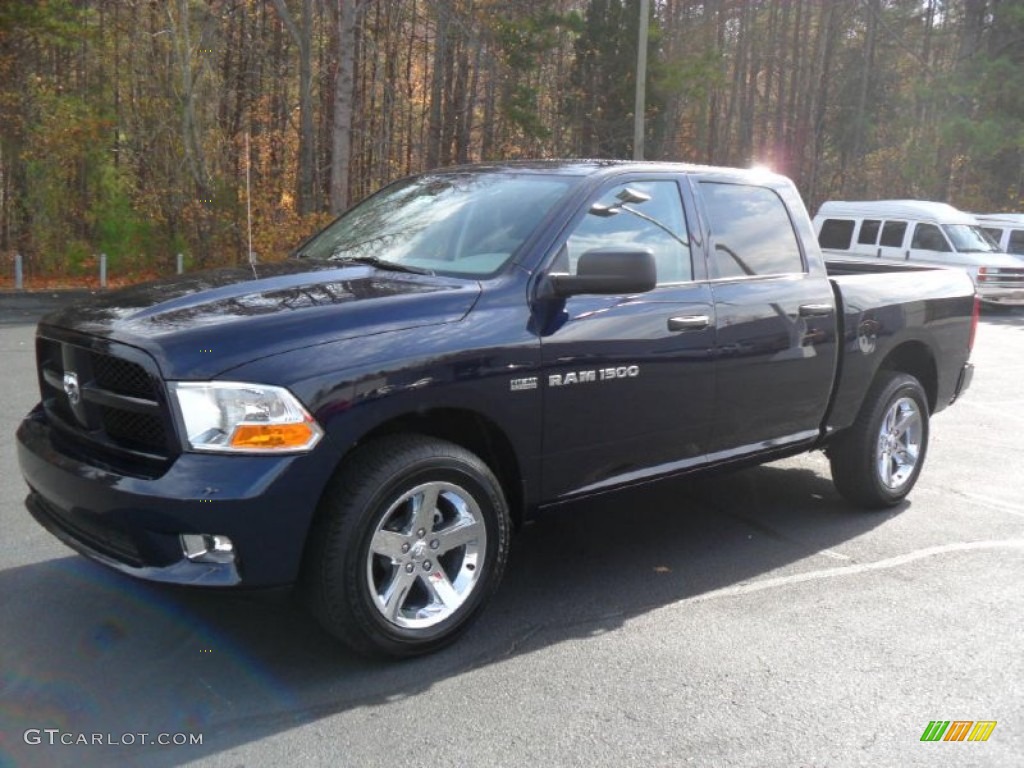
column 608, row 271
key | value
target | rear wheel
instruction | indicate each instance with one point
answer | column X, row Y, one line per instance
column 410, row 542
column 876, row 462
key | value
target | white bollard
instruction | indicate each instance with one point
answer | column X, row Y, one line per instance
column 19, row 273
column 103, row 270
column 181, row 264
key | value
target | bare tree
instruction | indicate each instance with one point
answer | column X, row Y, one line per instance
column 303, row 37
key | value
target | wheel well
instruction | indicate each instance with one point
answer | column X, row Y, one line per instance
column 915, row 358
column 473, row 432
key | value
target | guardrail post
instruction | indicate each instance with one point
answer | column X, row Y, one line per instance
column 19, row 273
column 103, row 270
column 181, row 264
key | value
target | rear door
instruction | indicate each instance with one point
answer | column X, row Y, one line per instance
column 775, row 321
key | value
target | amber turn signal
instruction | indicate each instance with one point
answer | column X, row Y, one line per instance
column 283, row 436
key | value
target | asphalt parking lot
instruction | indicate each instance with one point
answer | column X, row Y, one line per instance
column 754, row 619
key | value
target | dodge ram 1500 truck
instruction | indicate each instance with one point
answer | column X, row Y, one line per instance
column 370, row 418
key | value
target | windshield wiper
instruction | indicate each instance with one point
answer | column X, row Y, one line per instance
column 392, row 266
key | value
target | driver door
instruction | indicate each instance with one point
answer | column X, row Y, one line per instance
column 628, row 381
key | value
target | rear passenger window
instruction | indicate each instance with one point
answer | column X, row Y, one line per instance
column 928, row 237
column 869, row 232
column 836, row 233
column 1016, row 243
column 892, row 233
column 750, row 230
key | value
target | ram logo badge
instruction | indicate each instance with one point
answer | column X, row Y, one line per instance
column 600, row 374
column 71, row 388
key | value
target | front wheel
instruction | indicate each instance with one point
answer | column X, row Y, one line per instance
column 876, row 461
column 411, row 539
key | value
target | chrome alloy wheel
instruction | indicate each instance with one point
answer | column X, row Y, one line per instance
column 426, row 555
column 899, row 443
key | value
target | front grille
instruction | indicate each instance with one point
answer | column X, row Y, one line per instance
column 134, row 429
column 87, row 529
column 1001, row 277
column 122, row 376
column 105, row 398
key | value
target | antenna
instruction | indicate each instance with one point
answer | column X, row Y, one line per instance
column 248, row 201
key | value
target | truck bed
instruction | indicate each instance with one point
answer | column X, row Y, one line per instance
column 927, row 306
column 840, row 266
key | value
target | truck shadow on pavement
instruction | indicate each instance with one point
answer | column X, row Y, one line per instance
column 89, row 651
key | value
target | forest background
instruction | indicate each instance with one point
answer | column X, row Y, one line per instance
column 123, row 123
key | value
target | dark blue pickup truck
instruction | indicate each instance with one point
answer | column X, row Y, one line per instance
column 370, row 418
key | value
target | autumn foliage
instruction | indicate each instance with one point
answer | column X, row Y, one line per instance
column 124, row 124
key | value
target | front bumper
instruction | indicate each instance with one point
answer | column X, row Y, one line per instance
column 264, row 504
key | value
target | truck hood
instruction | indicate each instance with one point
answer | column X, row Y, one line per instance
column 199, row 326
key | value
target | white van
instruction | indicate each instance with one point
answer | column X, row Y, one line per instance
column 924, row 232
column 1007, row 229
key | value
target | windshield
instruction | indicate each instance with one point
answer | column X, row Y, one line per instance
column 968, row 238
column 450, row 223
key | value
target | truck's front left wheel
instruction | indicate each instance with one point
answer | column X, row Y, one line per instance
column 411, row 540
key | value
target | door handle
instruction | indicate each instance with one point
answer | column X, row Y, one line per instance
column 688, row 322
column 815, row 310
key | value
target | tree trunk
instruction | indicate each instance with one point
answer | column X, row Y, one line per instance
column 435, row 126
column 303, row 38
column 341, row 132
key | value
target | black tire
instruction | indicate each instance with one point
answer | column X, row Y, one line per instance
column 875, row 470
column 367, row 538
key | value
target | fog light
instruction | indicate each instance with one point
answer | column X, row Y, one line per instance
column 207, row 548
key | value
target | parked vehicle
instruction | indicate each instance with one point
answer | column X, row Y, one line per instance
column 921, row 231
column 1007, row 229
column 460, row 352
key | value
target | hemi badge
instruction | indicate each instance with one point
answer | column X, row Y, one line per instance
column 518, row 385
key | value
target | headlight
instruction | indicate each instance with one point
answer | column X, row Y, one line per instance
column 232, row 416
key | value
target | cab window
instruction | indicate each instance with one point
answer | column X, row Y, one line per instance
column 836, row 234
column 656, row 224
column 928, row 237
column 750, row 230
column 869, row 231
column 892, row 234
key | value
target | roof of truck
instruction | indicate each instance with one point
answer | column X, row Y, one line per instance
column 599, row 167
column 942, row 213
